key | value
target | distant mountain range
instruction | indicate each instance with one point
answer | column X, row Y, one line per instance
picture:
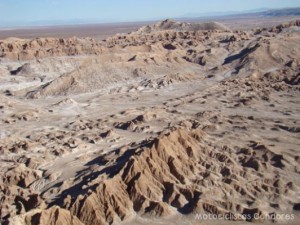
column 283, row 12
column 227, row 13
column 256, row 12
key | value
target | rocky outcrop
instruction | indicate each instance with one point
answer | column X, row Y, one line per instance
column 171, row 120
column 47, row 47
column 180, row 172
column 181, row 26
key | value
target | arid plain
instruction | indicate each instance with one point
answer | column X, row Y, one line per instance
column 156, row 126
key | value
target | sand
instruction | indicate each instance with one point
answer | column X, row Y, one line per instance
column 151, row 127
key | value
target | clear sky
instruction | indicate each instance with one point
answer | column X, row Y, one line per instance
column 19, row 12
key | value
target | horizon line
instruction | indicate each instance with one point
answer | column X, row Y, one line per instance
column 71, row 22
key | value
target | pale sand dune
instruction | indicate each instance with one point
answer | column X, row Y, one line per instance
column 151, row 127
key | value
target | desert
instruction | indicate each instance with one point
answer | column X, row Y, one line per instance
column 155, row 126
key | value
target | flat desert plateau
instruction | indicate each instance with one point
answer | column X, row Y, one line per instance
column 168, row 124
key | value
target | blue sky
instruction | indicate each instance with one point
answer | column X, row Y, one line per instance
column 19, row 12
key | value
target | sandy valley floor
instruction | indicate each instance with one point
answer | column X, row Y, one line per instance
column 151, row 127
